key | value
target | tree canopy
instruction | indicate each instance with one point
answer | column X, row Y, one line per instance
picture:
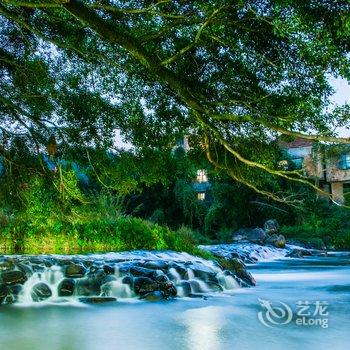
column 234, row 74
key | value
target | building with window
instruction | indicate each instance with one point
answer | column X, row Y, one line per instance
column 202, row 176
column 329, row 165
column 201, row 183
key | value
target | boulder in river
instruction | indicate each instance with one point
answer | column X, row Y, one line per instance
column 3, row 292
column 277, row 241
column 97, row 300
column 88, row 286
column 253, row 235
column 185, row 288
column 238, row 268
column 298, row 253
column 141, row 271
column 75, row 271
column 13, row 277
column 156, row 265
column 143, row 285
column 6, row 265
column 109, row 270
column 66, row 287
column 40, row 292
column 271, row 227
column 153, row 296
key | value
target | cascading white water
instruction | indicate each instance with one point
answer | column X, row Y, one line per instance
column 227, row 282
column 51, row 277
column 117, row 289
column 113, row 275
column 250, row 252
column 174, row 275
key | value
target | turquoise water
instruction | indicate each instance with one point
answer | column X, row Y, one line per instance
column 222, row 321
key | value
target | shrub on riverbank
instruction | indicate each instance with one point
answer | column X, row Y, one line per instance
column 74, row 236
column 328, row 225
column 58, row 217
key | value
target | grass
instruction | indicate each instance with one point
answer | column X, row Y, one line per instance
column 68, row 235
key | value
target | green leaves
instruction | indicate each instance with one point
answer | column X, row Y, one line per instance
column 233, row 71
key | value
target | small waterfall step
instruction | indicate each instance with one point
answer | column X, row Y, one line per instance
column 99, row 278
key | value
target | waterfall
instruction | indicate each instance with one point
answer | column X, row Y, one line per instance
column 121, row 276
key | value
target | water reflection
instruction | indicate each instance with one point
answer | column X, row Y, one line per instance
column 204, row 327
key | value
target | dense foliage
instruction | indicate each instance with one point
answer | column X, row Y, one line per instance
column 104, row 201
column 57, row 214
column 232, row 73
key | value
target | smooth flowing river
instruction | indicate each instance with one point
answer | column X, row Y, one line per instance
column 315, row 314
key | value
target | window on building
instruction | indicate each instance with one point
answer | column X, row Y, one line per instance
column 202, row 176
column 298, row 162
column 201, row 196
column 344, row 162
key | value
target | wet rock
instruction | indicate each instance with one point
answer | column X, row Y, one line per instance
column 98, row 275
column 153, row 296
column 92, row 270
column 271, row 227
column 185, row 288
column 143, row 285
column 102, row 276
column 35, row 260
column 108, row 279
column 48, row 262
column 75, row 271
column 109, row 270
column 203, row 272
column 6, row 265
column 13, row 292
column 125, row 267
column 141, row 271
column 97, row 300
column 277, row 241
column 298, row 253
column 214, row 286
column 66, row 287
column 168, row 289
column 26, row 269
column 182, row 271
column 238, row 268
column 253, row 235
column 128, row 280
column 88, row 263
column 156, row 265
column 239, row 281
column 38, row 268
column 3, row 292
column 40, row 292
column 15, row 289
column 88, row 286
column 13, row 277
column 195, row 286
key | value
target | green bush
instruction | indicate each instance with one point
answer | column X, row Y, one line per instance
column 342, row 241
column 328, row 225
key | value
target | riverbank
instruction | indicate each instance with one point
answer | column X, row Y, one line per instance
column 93, row 234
